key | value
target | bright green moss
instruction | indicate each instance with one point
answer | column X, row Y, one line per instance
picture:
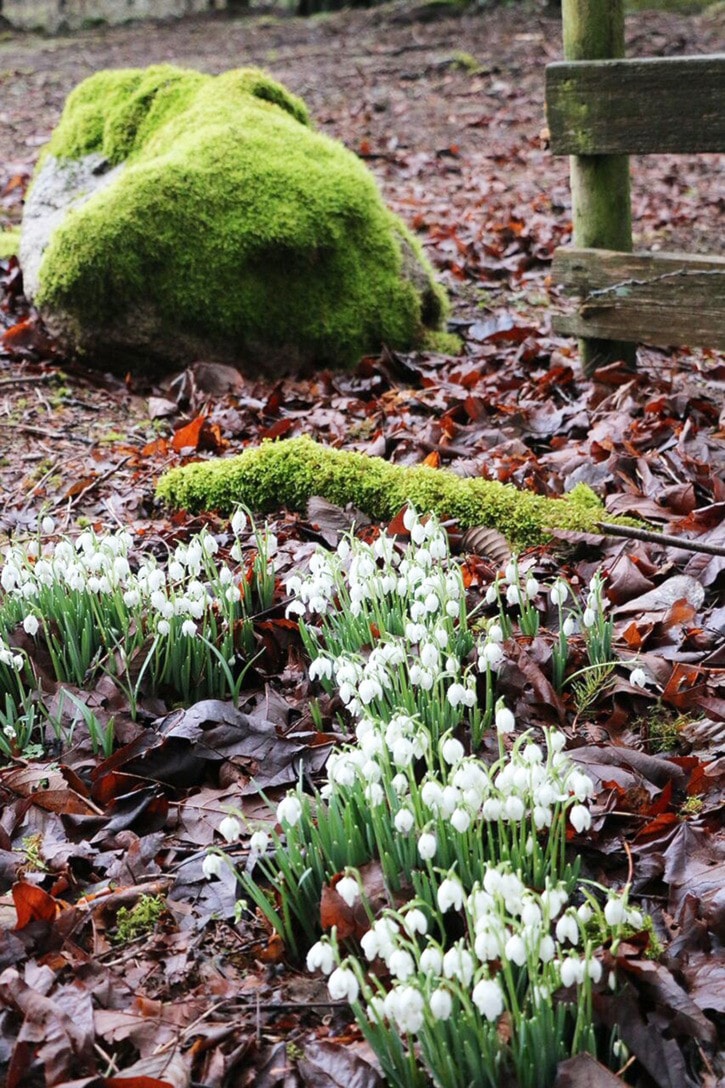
column 9, row 243
column 234, row 223
column 290, row 472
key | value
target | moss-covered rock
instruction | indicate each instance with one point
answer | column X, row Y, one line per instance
column 288, row 473
column 176, row 214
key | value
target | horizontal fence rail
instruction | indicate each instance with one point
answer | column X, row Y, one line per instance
column 637, row 107
column 664, row 299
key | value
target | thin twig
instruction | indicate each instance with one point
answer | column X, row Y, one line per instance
column 26, row 380
column 41, row 432
column 630, row 859
column 94, row 483
column 661, row 538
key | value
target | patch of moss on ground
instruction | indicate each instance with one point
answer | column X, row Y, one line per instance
column 290, row 472
column 234, row 222
column 9, row 243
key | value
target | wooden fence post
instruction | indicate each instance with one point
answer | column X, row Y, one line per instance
column 601, row 204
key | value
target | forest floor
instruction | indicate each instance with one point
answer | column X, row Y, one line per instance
column 447, row 110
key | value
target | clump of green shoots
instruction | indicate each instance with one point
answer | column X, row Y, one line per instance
column 181, row 629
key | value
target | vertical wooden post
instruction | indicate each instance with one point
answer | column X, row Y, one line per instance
column 601, row 204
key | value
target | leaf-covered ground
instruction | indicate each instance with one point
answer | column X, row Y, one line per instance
column 448, row 113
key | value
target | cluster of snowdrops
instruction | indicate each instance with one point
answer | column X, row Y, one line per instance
column 486, row 921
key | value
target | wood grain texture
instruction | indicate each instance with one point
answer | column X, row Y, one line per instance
column 664, row 299
column 637, row 107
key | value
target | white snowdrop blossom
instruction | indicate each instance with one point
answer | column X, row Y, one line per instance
column 342, row 985
column 321, row 957
column 440, row 1003
column 458, row 964
column 259, row 842
column 230, row 828
column 31, row 624
column 452, row 750
column 401, row 964
column 488, row 998
column 615, row 910
column 427, row 846
column 450, row 895
column 188, row 628
column 289, row 810
column 404, row 820
column 581, row 818
column 414, row 922
column 505, row 721
column 213, row 865
column 558, row 592
column 349, row 890
column 638, row 678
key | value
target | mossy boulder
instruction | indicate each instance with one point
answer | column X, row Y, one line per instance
column 292, row 471
column 175, row 215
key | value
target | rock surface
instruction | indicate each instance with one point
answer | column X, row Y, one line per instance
column 176, row 215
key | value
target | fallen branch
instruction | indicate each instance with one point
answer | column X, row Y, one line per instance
column 662, row 538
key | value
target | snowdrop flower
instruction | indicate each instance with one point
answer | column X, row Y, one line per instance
column 379, row 939
column 584, row 913
column 321, row 669
column 567, row 929
column 188, row 628
column 31, row 624
column 532, row 588
column 321, row 957
column 289, row 810
column 514, row 596
column 515, row 950
column 458, row 963
column 213, row 865
column 458, row 695
column 488, row 998
column 589, row 618
column 163, row 628
column 615, row 910
column 414, row 922
column 490, row 656
column 638, row 678
column 460, row 820
column 441, row 1004
column 581, row 818
column 404, row 1005
column 431, row 960
column 427, row 846
column 505, row 721
column 259, row 842
column 239, row 522
column 594, row 970
column 342, row 985
column 452, row 750
column 514, row 808
column 570, row 626
column 230, row 828
column 572, row 971
column 450, row 895
column 401, row 964
column 47, row 525
column 348, row 889
column 492, row 593
column 558, row 592
column 404, row 820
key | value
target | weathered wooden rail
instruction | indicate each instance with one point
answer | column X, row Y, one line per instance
column 601, row 109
